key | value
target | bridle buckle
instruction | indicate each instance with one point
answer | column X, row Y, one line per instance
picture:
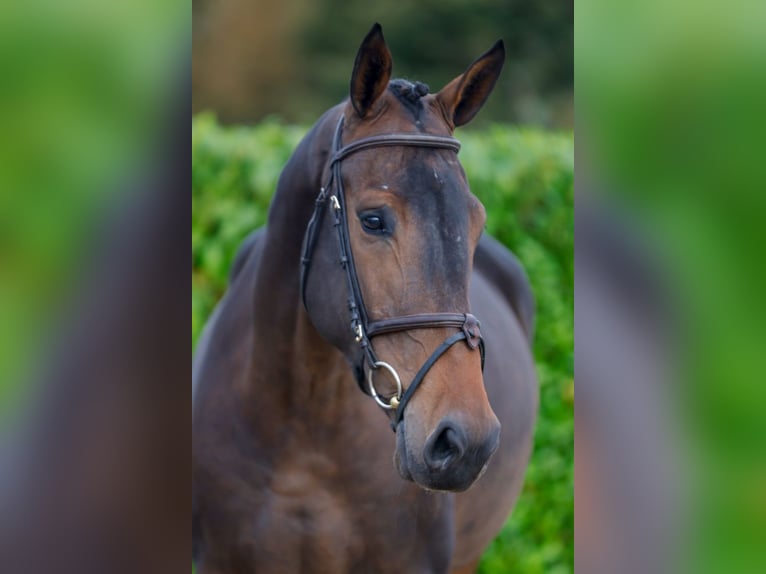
column 472, row 329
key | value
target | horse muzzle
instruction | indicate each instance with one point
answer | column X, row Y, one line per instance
column 451, row 459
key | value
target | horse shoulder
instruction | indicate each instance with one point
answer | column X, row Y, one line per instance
column 213, row 369
column 245, row 250
column 505, row 272
column 502, row 298
column 244, row 263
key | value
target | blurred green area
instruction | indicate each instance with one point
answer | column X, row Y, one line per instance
column 294, row 57
column 671, row 98
column 84, row 91
column 525, row 179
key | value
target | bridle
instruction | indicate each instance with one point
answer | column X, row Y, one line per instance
column 362, row 328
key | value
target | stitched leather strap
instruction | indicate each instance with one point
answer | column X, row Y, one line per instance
column 468, row 323
column 388, row 140
column 419, row 321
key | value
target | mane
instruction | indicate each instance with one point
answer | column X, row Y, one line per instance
column 409, row 94
column 406, row 90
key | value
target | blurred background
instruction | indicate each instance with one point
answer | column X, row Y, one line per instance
column 291, row 57
column 670, row 234
column 670, row 306
column 264, row 71
column 94, row 411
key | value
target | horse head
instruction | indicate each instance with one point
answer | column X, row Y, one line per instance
column 398, row 212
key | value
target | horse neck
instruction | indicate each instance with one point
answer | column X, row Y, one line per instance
column 288, row 348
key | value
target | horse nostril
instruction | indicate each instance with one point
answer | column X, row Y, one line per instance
column 444, row 447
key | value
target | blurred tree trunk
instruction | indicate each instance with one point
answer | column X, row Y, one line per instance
column 252, row 58
column 244, row 56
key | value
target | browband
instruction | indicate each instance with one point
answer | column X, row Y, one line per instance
column 392, row 140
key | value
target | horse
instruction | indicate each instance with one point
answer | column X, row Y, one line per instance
column 366, row 276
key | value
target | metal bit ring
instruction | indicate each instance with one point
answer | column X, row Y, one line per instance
column 393, row 402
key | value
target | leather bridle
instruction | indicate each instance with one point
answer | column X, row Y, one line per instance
column 362, row 328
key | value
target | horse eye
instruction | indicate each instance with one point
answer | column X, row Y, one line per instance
column 372, row 222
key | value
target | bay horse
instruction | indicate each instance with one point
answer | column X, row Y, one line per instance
column 366, row 275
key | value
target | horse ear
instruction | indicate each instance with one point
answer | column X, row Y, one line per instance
column 464, row 96
column 372, row 71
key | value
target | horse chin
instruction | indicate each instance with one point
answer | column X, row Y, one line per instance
column 400, row 455
column 454, row 482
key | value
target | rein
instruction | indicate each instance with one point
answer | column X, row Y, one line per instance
column 362, row 328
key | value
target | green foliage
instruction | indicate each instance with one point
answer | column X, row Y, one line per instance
column 234, row 173
column 525, row 180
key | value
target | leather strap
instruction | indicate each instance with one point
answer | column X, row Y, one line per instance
column 310, row 239
column 401, row 139
column 465, row 321
column 419, row 321
column 421, row 374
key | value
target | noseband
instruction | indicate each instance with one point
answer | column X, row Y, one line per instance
column 362, row 328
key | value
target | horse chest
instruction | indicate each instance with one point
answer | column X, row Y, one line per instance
column 302, row 527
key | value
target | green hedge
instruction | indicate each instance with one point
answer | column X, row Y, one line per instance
column 525, row 180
